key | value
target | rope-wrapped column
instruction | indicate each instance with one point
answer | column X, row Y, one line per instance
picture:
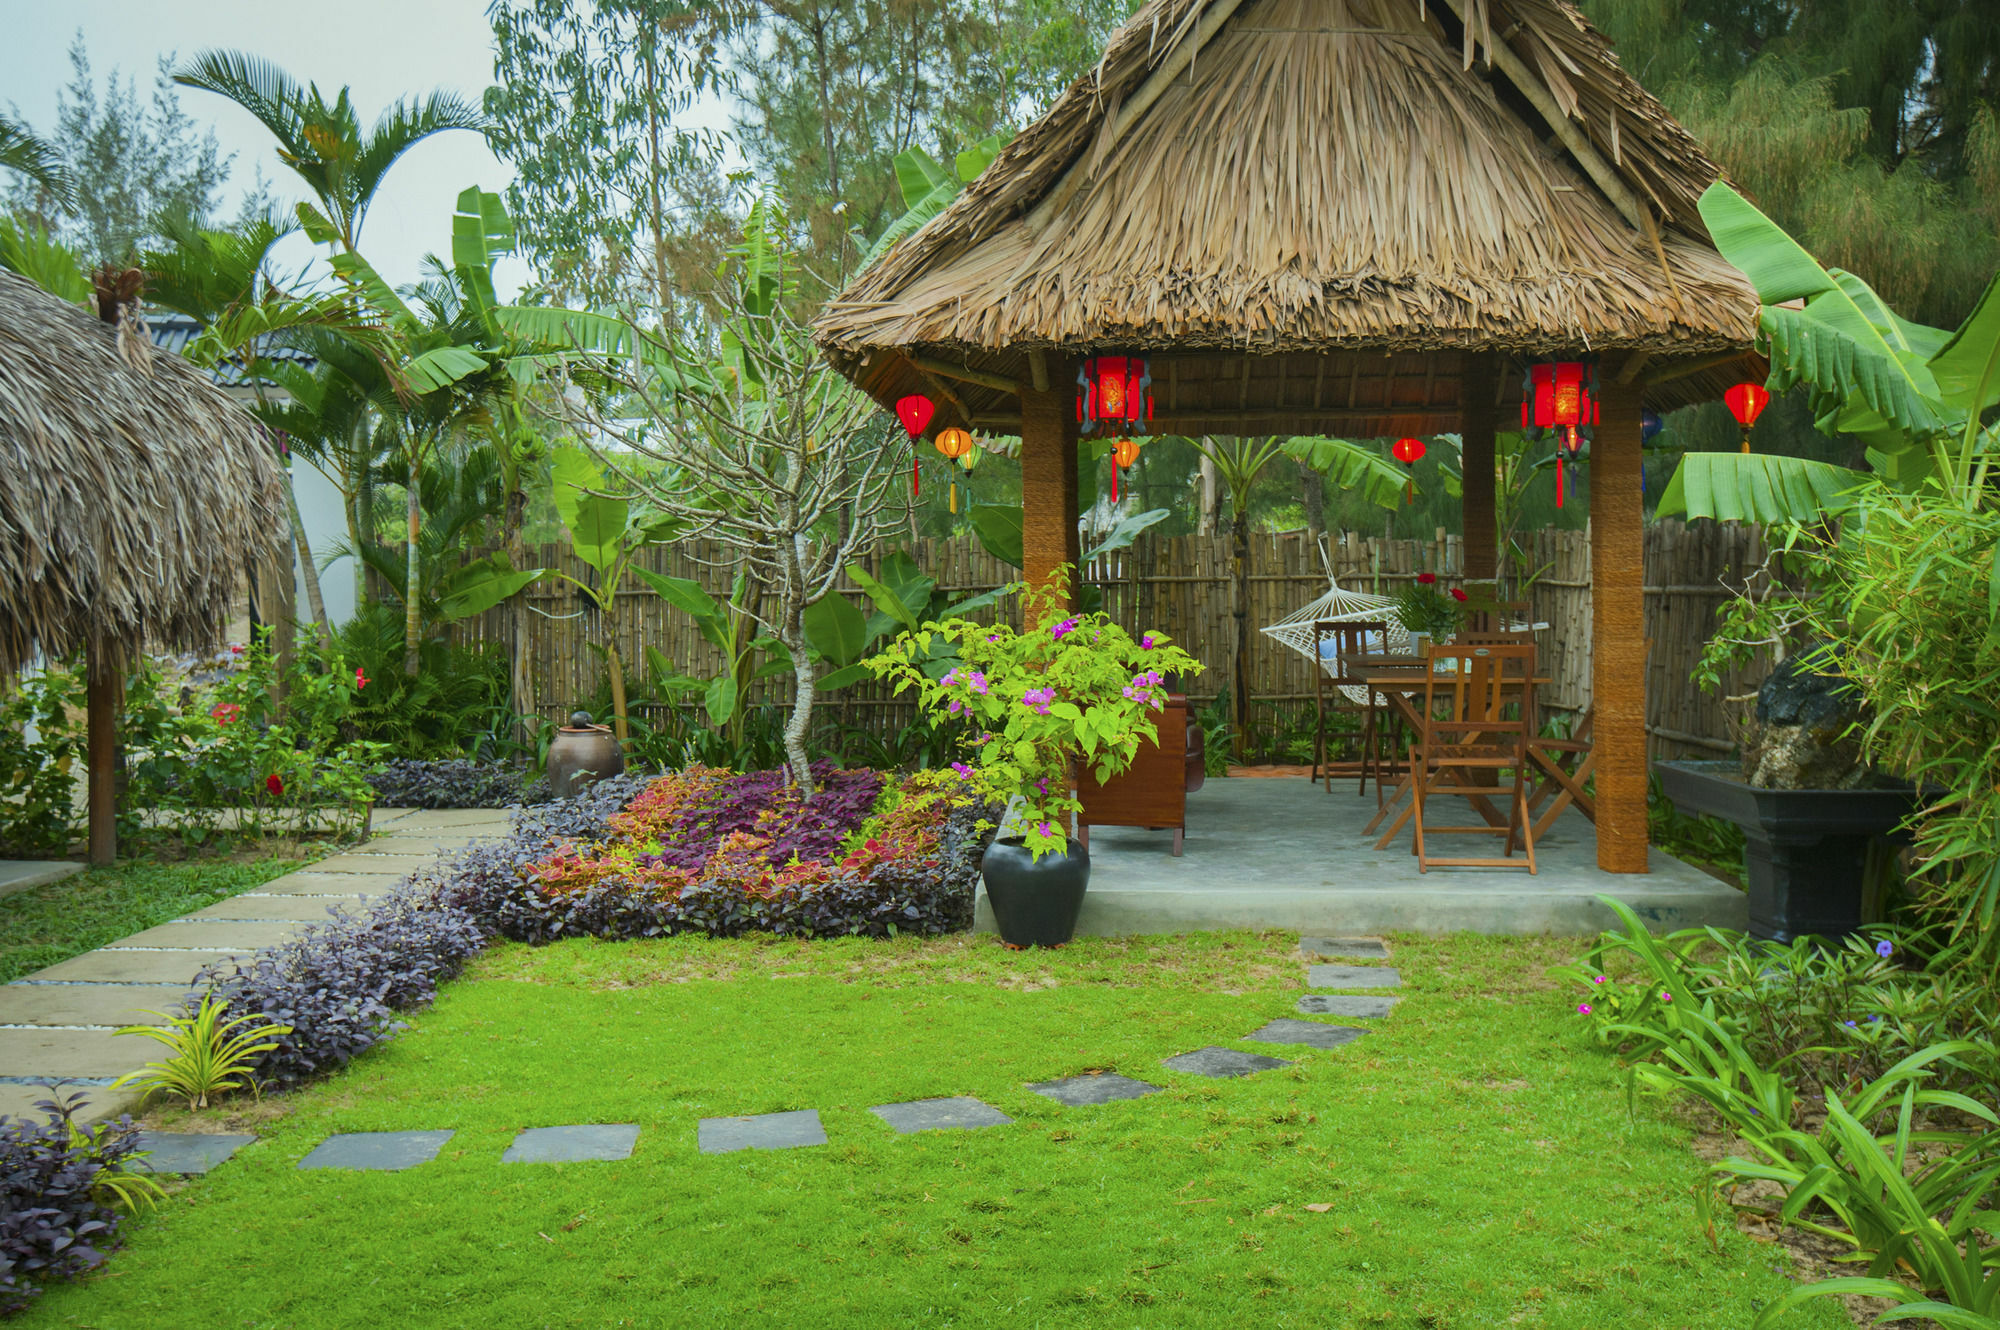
column 1048, row 477
column 1476, row 388
column 1618, row 628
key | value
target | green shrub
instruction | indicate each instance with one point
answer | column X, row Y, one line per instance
column 38, row 775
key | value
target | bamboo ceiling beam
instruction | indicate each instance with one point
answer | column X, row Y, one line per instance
column 964, row 374
column 1129, row 111
column 941, row 388
column 1668, row 373
column 1600, row 171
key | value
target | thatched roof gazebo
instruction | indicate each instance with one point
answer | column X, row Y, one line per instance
column 133, row 494
column 1333, row 216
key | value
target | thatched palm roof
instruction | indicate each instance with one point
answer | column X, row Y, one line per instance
column 1321, row 174
column 132, row 491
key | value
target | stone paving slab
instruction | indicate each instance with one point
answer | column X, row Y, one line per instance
column 21, row 874
column 1352, row 976
column 18, row 1101
column 448, row 819
column 568, row 1145
column 1285, row 1030
column 86, row 1004
column 374, row 865
column 212, row 935
column 304, row 883
column 298, row 909
column 133, row 967
column 186, row 1152
column 1345, row 1004
column 377, row 1151
column 1221, row 1062
column 1105, row 1088
column 760, row 1131
column 960, row 1112
column 54, row 1052
column 1345, row 948
column 420, row 847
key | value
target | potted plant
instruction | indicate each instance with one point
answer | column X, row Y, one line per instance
column 1067, row 689
column 1427, row 612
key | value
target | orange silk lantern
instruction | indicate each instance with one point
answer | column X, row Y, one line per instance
column 1123, row 453
column 954, row 443
column 915, row 411
column 1114, row 391
column 1746, row 401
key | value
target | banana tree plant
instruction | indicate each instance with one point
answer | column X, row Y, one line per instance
column 729, row 627
column 1915, row 395
column 905, row 598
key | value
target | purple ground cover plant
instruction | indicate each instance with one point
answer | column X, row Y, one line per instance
column 53, row 1220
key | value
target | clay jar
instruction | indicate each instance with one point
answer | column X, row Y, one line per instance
column 582, row 752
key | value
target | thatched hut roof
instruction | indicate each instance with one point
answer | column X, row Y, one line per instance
column 132, row 491
column 1274, row 177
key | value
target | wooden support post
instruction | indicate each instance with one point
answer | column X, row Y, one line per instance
column 1048, row 478
column 101, row 705
column 1618, row 630
column 1476, row 428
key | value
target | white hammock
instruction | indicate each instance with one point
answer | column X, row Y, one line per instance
column 1296, row 629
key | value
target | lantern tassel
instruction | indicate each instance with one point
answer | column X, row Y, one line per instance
column 954, row 496
column 1115, row 469
column 1561, row 468
column 914, row 470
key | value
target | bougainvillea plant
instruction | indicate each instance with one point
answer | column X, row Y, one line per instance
column 1067, row 689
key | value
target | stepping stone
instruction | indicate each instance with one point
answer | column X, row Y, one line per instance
column 212, row 935
column 1285, row 1030
column 87, row 1004
column 76, row 1054
column 374, row 865
column 376, row 1151
column 567, row 1145
column 1352, row 976
column 1220, row 1062
column 321, row 885
column 1345, row 948
column 760, row 1131
column 961, row 1112
column 299, row 909
column 186, row 1152
column 130, row 967
column 1345, row 1004
column 1079, row 1091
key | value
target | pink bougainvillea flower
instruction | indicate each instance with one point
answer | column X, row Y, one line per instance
column 1148, row 642
column 964, row 771
column 1045, row 829
column 1065, row 628
column 275, row 785
column 1583, row 1009
column 1458, row 595
column 226, row 713
column 1427, row 579
column 361, row 680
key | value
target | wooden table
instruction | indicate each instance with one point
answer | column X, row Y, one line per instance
column 1398, row 679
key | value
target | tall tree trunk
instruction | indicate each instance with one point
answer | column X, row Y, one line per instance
column 616, row 664
column 363, row 520
column 791, row 632
column 308, row 571
column 1239, row 561
column 1312, row 493
column 413, row 618
column 1207, row 501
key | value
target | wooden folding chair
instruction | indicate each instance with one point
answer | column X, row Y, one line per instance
column 1465, row 730
column 1339, row 691
column 1562, row 768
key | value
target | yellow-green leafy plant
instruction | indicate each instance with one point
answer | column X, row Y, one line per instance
column 209, row 1055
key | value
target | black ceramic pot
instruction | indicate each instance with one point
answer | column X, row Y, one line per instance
column 1035, row 904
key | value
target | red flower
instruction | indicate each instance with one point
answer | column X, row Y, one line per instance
column 235, row 650
column 1458, row 595
column 1426, row 579
column 274, row 785
column 360, row 680
column 226, row 713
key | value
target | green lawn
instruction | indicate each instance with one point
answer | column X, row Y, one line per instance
column 1475, row 1151
column 47, row 924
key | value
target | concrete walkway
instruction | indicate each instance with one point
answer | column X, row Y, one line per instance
column 59, row 1022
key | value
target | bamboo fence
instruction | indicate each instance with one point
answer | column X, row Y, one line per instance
column 1182, row 585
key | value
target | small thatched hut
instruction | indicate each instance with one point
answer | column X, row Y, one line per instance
column 1333, row 216
column 133, row 494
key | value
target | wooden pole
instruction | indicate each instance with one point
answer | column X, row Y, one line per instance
column 1048, row 478
column 1476, row 429
column 1618, row 630
column 101, row 698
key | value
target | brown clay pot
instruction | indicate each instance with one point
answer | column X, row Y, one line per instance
column 582, row 752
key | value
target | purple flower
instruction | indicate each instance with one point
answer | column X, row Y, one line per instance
column 1665, row 996
column 1065, row 628
column 1598, row 980
column 1045, row 829
column 964, row 771
column 1848, row 1024
column 1583, row 1009
column 1885, row 949
column 1147, row 642
column 976, row 681
column 1038, row 699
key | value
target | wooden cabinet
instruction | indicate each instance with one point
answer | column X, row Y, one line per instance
column 1153, row 792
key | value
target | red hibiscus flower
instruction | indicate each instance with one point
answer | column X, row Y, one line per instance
column 1458, row 595
column 226, row 713
column 274, row 785
column 1426, row 579
column 361, row 680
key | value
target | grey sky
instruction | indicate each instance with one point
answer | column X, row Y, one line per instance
column 382, row 49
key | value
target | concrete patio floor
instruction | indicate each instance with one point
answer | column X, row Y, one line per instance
column 1283, row 853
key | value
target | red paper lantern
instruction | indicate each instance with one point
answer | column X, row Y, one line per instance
column 1408, row 451
column 1559, row 396
column 915, row 412
column 1746, row 401
column 1114, row 391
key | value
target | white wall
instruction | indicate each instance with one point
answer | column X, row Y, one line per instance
column 323, row 513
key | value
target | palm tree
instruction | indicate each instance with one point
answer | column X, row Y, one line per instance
column 22, row 151
column 323, row 142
